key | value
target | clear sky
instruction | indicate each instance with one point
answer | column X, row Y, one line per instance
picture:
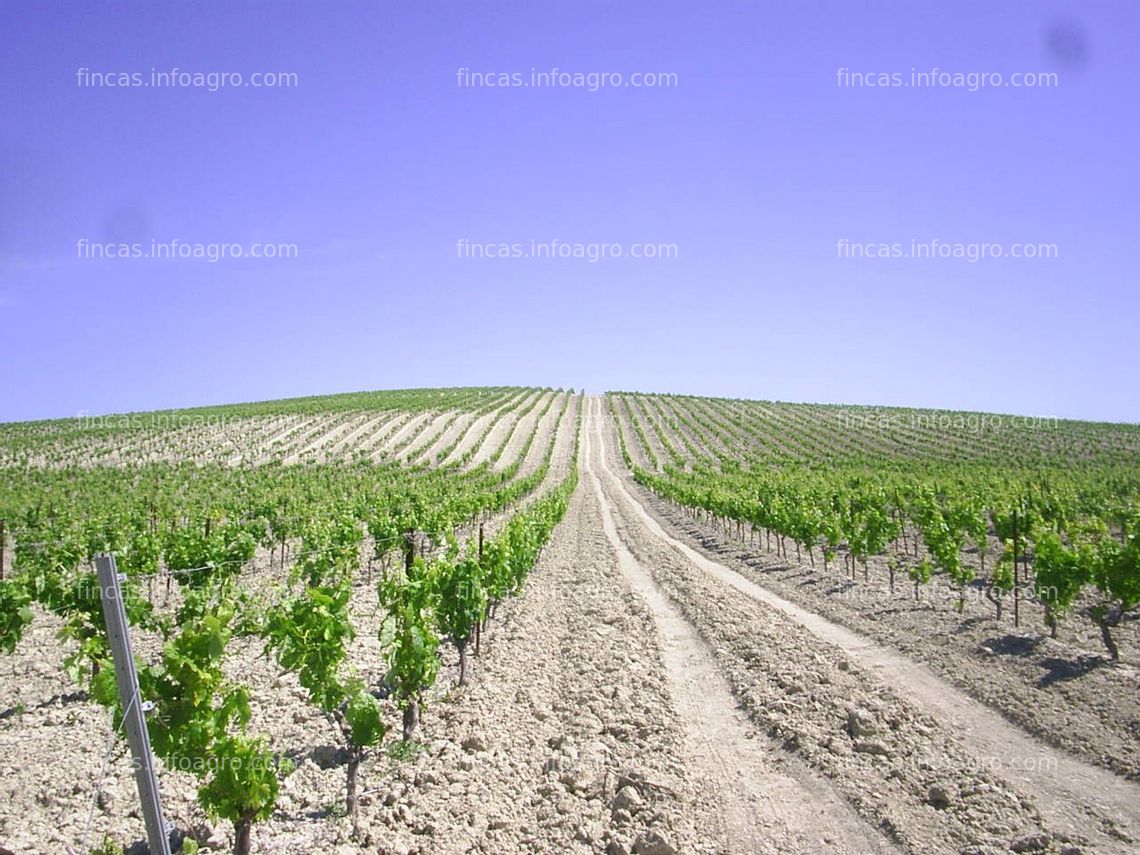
column 757, row 154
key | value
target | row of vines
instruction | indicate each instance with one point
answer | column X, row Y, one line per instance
column 441, row 546
column 1063, row 532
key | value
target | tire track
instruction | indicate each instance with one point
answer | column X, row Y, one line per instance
column 764, row 808
column 1071, row 795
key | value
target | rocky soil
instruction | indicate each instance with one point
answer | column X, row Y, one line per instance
column 637, row 698
column 1063, row 690
column 931, row 786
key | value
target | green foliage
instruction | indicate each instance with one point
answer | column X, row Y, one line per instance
column 944, row 536
column 363, row 715
column 308, row 634
column 222, row 551
column 195, row 704
column 15, row 612
column 823, row 475
column 1116, row 570
column 142, row 554
column 410, row 643
column 921, row 572
column 330, row 549
column 1061, row 572
column 462, row 598
column 107, row 847
column 1002, row 576
column 496, row 569
column 402, row 751
column 243, row 784
column 200, row 524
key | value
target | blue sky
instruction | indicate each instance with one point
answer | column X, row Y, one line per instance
column 752, row 167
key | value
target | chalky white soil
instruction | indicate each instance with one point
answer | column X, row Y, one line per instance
column 639, row 697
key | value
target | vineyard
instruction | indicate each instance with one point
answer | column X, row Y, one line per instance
column 984, row 539
column 294, row 529
column 527, row 620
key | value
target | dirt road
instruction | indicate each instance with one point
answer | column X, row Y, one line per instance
column 1056, row 801
column 637, row 698
column 765, row 802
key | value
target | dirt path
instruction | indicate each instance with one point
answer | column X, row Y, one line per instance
column 1074, row 798
column 426, row 437
column 565, row 741
column 471, row 435
column 763, row 807
column 350, row 441
column 637, row 698
column 566, row 434
column 505, row 421
column 522, row 430
column 547, row 428
column 273, row 445
column 1063, row 691
column 457, row 427
column 336, row 433
column 415, row 423
column 298, row 441
column 566, row 709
